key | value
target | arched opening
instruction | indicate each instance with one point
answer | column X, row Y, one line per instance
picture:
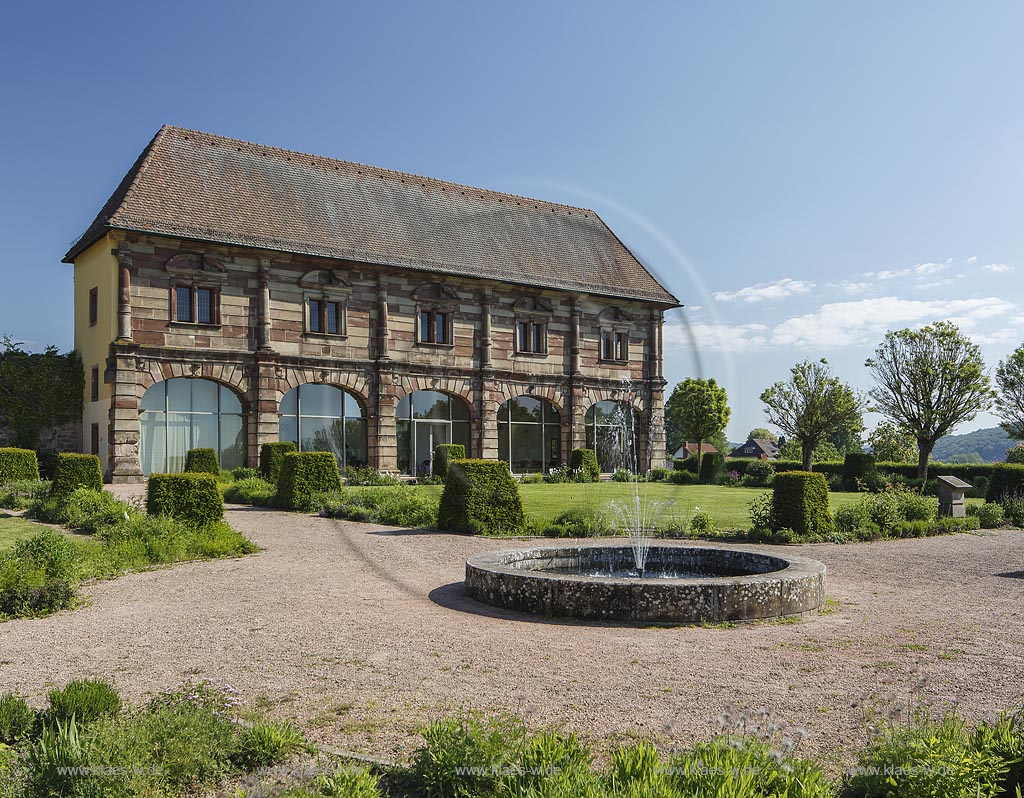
column 529, row 435
column 612, row 434
column 424, row 420
column 185, row 413
column 324, row 418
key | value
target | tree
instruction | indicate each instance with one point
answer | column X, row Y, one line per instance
column 927, row 381
column 697, row 410
column 848, row 437
column 762, row 433
column 824, row 452
column 1010, row 401
column 811, row 405
column 890, row 444
column 38, row 391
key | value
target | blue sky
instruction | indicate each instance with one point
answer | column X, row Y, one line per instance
column 803, row 175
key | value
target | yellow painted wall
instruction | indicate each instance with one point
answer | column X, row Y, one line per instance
column 96, row 268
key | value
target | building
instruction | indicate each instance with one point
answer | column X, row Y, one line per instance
column 229, row 294
column 759, row 448
column 689, row 449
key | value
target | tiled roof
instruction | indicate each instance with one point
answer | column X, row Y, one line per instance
column 196, row 185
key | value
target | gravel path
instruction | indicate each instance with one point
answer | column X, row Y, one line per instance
column 361, row 633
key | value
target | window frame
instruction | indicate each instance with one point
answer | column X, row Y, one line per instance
column 326, row 300
column 436, row 304
column 535, row 313
column 193, row 288
column 94, row 306
column 613, row 340
column 94, row 384
column 94, row 439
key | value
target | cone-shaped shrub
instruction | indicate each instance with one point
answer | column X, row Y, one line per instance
column 586, row 461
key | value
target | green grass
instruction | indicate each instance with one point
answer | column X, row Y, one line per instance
column 13, row 528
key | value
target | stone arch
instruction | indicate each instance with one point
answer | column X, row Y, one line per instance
column 230, row 375
column 356, row 383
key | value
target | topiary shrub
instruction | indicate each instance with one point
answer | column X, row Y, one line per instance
column 858, row 466
column 18, row 464
column 84, row 699
column 481, row 497
column 585, row 461
column 657, row 475
column 989, row 515
column 202, row 461
column 304, row 476
column 800, row 503
column 1005, row 482
column 712, row 466
column 75, row 471
column 443, row 454
column 685, row 464
column 272, row 458
column 187, row 497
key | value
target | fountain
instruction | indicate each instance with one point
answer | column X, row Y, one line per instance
column 641, row 582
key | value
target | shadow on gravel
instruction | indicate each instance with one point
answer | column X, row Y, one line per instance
column 1012, row 575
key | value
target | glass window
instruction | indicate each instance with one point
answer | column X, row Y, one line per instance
column 333, row 318
column 441, row 326
column 204, row 306
column 529, row 434
column 324, row 418
column 538, row 338
column 425, row 326
column 612, row 434
column 426, row 419
column 205, row 396
column 183, row 302
column 524, row 336
column 314, row 316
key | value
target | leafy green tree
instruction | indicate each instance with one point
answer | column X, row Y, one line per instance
column 812, row 405
column 927, row 381
column 890, row 444
column 824, row 452
column 1015, row 454
column 696, row 411
column 848, row 438
column 762, row 433
column 38, row 391
column 1010, row 401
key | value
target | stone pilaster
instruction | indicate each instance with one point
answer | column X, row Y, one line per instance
column 263, row 306
column 487, row 405
column 382, row 431
column 383, row 334
column 124, row 464
column 264, row 421
column 123, row 253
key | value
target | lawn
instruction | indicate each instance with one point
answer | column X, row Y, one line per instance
column 728, row 506
column 12, row 528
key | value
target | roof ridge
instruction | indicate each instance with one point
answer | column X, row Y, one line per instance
column 396, row 172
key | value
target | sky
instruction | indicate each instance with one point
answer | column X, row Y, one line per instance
column 803, row 176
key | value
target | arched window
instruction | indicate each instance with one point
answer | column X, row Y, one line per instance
column 529, row 435
column 424, row 420
column 185, row 413
column 323, row 418
column 612, row 434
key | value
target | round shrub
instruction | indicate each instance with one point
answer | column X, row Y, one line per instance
column 800, row 503
column 18, row 464
column 759, row 474
column 990, row 515
column 272, row 458
column 51, row 552
column 622, row 475
column 90, row 511
column 305, row 476
column 444, row 453
column 202, row 461
column 244, row 472
column 187, row 497
column 915, row 507
column 585, row 461
column 657, row 475
column 74, row 471
column 702, row 524
column 17, row 719
column 84, row 699
column 481, row 497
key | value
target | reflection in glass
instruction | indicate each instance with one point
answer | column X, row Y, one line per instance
column 424, row 420
column 324, row 418
column 613, row 435
column 529, row 434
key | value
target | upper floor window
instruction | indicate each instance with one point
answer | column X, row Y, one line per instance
column 326, row 301
column 532, row 314
column 615, row 325
column 94, row 306
column 435, row 310
column 94, row 384
column 196, row 282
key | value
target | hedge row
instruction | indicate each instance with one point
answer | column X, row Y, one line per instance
column 17, row 465
column 964, row 471
column 304, row 475
column 193, row 498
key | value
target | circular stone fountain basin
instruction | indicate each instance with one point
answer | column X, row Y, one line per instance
column 680, row 584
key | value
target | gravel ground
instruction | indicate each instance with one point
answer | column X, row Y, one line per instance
column 361, row 633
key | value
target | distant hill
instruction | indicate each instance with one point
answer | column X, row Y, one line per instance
column 989, row 445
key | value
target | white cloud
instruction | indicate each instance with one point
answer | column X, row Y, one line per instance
column 852, row 288
column 780, row 289
column 920, row 271
column 721, row 337
column 998, row 268
column 972, row 259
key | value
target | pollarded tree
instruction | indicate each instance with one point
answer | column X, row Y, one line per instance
column 812, row 405
column 891, row 444
column 1010, row 401
column 696, row 411
column 927, row 381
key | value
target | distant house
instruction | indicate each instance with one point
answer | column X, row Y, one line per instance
column 758, row 448
column 690, row 450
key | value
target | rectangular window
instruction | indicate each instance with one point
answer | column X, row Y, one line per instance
column 204, row 306
column 441, row 328
column 334, row 318
column 183, row 303
column 621, row 344
column 434, row 328
column 94, row 302
column 530, row 337
column 314, row 316
column 539, row 344
column 425, row 326
column 607, row 345
column 94, row 384
column 524, row 336
column 95, row 435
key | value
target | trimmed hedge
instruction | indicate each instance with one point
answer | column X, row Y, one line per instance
column 685, row 464
column 712, row 466
column 202, row 461
column 858, row 465
column 194, row 498
column 585, row 460
column 272, row 458
column 800, row 503
column 1006, row 482
column 303, row 476
column 75, row 471
column 445, row 453
column 17, row 465
column 481, row 497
